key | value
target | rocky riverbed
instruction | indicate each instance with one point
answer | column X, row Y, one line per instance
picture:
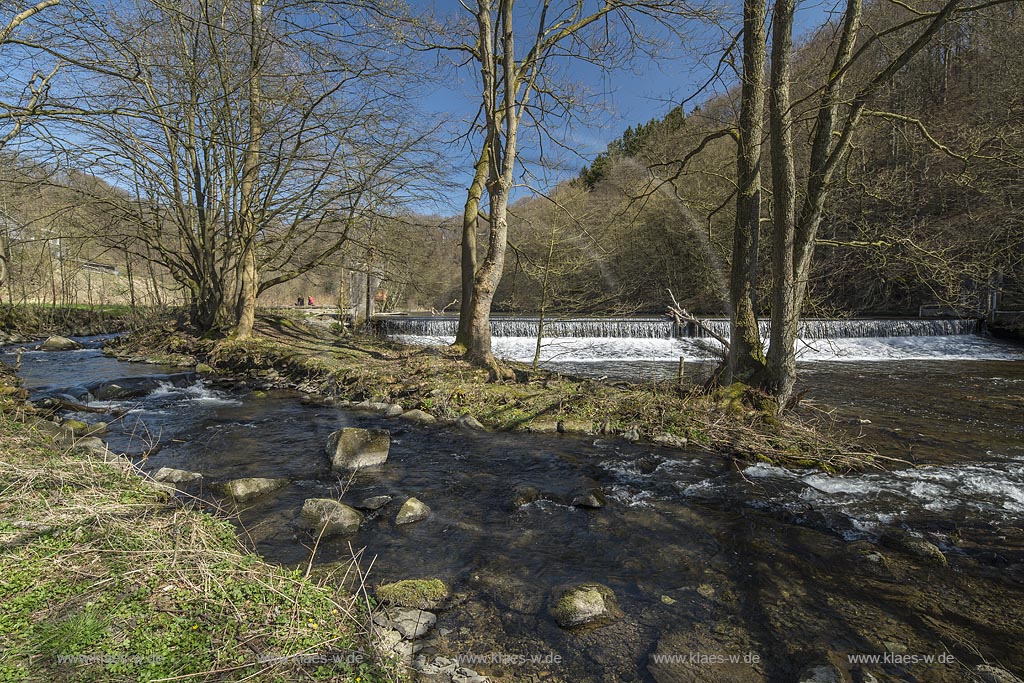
column 571, row 558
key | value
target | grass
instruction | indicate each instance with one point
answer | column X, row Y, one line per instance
column 436, row 380
column 107, row 577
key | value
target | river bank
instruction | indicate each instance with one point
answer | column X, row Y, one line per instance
column 434, row 384
column 26, row 322
column 108, row 576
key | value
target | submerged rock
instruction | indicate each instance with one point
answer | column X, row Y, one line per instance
column 242, row 490
column 374, row 503
column 173, row 476
column 914, row 545
column 329, row 517
column 524, row 495
column 414, row 593
column 58, row 343
column 595, row 500
column 586, row 604
column 354, row 448
column 413, row 510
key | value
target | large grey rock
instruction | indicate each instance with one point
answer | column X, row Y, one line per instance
column 352, row 448
column 58, row 343
column 413, row 623
column 246, row 489
column 173, row 476
column 413, row 510
column 330, row 517
column 584, row 604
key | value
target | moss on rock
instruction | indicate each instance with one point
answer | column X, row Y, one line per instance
column 414, row 593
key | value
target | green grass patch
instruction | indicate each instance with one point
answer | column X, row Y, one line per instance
column 107, row 578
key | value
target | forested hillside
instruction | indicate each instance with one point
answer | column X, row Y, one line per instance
column 927, row 210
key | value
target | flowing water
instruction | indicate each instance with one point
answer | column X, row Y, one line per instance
column 705, row 558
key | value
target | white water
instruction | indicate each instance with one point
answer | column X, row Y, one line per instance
column 556, row 350
column 990, row 491
column 664, row 328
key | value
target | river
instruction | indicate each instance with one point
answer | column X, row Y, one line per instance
column 707, row 559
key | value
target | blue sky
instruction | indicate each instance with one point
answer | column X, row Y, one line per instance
column 624, row 98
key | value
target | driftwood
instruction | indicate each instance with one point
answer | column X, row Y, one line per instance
column 680, row 314
column 54, row 404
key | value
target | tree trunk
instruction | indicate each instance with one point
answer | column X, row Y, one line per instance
column 478, row 347
column 794, row 234
column 468, row 262
column 746, row 353
column 248, row 276
column 780, row 376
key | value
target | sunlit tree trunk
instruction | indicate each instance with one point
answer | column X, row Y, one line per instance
column 248, row 274
column 468, row 263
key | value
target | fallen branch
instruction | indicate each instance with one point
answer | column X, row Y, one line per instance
column 680, row 314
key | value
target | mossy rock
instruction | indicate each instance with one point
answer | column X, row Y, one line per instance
column 414, row 593
column 585, row 604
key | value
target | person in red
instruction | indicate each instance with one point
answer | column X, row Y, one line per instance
column 312, row 302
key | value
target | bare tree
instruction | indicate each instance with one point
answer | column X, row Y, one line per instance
column 14, row 115
column 257, row 133
column 516, row 87
column 799, row 197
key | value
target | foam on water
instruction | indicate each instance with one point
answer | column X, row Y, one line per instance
column 196, row 392
column 556, row 350
column 984, row 491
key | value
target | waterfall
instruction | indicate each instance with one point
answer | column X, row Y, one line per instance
column 664, row 328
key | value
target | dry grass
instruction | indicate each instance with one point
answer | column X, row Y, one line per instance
column 108, row 577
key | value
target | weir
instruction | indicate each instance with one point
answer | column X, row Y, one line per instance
column 664, row 328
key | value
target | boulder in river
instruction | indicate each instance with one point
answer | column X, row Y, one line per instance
column 58, row 343
column 353, row 448
column 585, row 604
column 242, row 490
column 413, row 510
column 595, row 500
column 524, row 495
column 330, row 517
column 173, row 476
column 414, row 593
